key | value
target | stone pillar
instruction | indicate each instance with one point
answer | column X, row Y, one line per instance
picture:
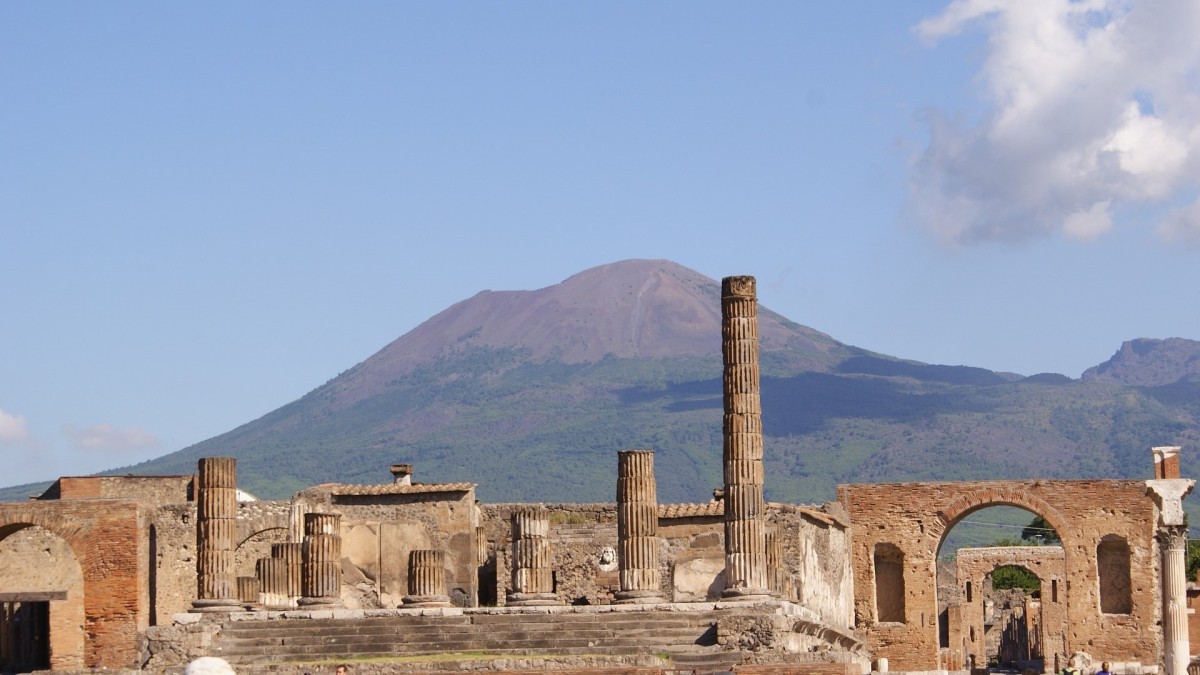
column 1168, row 496
column 292, row 556
column 745, row 508
column 426, row 579
column 532, row 576
column 216, row 535
column 637, row 528
column 321, row 566
column 273, row 583
column 1176, row 645
column 296, row 521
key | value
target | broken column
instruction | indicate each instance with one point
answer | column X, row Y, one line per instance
column 322, row 553
column 745, row 508
column 532, row 576
column 1168, row 491
column 426, row 579
column 216, row 535
column 272, row 583
column 292, row 555
column 249, row 590
column 637, row 528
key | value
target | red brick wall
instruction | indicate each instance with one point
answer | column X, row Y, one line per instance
column 915, row 516
column 79, row 488
column 106, row 537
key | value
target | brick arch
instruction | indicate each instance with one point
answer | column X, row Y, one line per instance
column 965, row 504
column 916, row 517
column 105, row 536
column 66, row 613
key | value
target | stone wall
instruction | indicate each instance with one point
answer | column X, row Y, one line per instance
column 816, row 548
column 975, row 566
column 915, row 516
column 381, row 524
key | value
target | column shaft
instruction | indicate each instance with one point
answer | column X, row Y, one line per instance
column 321, row 564
column 1176, row 646
column 637, row 528
column 216, row 535
column 746, row 574
column 426, row 579
column 532, row 575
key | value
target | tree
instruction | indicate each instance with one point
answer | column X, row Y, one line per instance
column 1012, row 576
column 1039, row 530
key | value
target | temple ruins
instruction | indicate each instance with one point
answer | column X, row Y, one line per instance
column 149, row 572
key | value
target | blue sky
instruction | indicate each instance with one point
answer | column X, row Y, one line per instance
column 208, row 210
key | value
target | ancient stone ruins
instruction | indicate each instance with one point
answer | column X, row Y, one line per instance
column 149, row 572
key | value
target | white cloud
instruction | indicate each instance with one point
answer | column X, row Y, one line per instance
column 1090, row 104
column 107, row 438
column 13, row 428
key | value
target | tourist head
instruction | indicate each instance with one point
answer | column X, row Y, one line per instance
column 209, row 665
column 342, row 669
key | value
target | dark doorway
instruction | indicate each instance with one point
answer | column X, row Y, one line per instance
column 24, row 636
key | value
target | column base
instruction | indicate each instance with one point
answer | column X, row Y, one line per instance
column 530, row 599
column 319, row 603
column 637, row 597
column 215, row 605
column 426, row 601
column 748, row 594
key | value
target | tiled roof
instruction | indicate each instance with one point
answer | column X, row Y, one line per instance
column 392, row 489
column 713, row 508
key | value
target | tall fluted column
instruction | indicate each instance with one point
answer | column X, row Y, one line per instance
column 745, row 508
column 322, row 553
column 1168, row 494
column 426, row 579
column 216, row 535
column 1176, row 645
column 532, row 576
column 637, row 528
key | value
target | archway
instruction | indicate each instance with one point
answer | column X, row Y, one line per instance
column 914, row 518
column 41, row 601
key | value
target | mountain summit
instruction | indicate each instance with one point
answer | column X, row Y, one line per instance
column 530, row 394
column 633, row 309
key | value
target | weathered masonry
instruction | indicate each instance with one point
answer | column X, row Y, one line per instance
column 1110, row 592
column 109, row 572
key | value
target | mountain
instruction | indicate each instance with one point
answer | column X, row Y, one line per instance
column 530, row 394
column 1150, row 363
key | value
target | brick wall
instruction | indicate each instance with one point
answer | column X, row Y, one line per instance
column 915, row 516
column 106, row 539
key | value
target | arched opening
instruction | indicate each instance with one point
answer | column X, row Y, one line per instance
column 41, row 601
column 1012, row 618
column 992, row 565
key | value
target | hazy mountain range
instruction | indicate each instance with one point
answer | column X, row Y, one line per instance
column 530, row 394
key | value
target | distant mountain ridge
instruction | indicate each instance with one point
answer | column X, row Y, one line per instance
column 531, row 393
column 1147, row 362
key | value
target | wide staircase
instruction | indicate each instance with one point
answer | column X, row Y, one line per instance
column 687, row 639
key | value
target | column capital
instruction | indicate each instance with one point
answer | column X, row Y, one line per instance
column 1168, row 495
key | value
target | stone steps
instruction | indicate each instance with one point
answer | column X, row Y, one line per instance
column 507, row 633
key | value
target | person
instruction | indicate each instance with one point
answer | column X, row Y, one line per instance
column 1103, row 669
column 342, row 669
column 209, row 665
